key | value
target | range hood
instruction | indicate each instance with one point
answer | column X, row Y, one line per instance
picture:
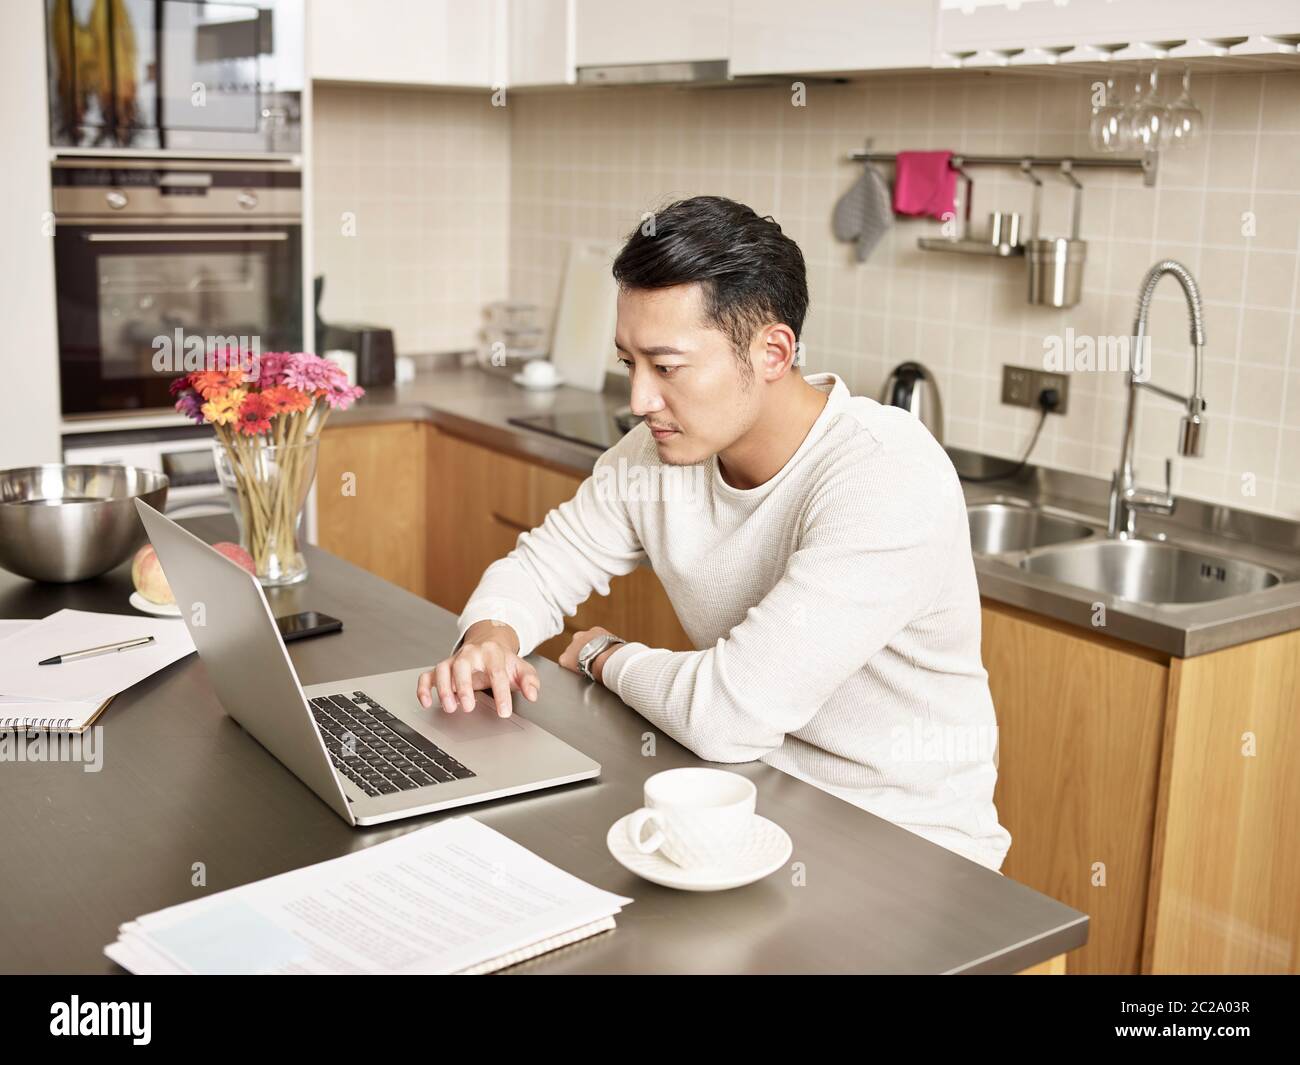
column 696, row 72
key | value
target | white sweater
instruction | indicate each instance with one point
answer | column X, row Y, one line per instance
column 835, row 609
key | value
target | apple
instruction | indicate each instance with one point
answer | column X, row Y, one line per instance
column 148, row 577
column 236, row 554
column 150, row 581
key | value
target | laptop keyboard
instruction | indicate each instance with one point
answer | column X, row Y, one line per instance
column 379, row 752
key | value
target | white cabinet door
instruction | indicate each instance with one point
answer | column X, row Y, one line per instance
column 541, row 42
column 610, row 32
column 408, row 42
column 976, row 25
column 786, row 37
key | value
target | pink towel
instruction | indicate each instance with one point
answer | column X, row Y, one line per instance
column 924, row 184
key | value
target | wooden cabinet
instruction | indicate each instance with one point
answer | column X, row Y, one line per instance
column 1080, row 721
column 777, row 37
column 370, row 499
column 407, row 42
column 1226, row 861
column 1157, row 795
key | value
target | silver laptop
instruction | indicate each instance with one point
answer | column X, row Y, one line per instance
column 364, row 744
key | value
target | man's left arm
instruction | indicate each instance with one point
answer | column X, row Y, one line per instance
column 867, row 564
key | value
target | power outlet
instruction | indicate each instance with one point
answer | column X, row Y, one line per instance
column 1017, row 386
column 1021, row 387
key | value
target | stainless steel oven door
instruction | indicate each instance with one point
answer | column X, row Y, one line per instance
column 131, row 298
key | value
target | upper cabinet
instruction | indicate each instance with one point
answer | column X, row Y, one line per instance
column 781, row 37
column 486, row 43
column 1083, row 30
column 541, row 42
column 408, row 42
column 612, row 32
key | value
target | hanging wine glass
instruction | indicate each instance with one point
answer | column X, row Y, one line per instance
column 1149, row 127
column 1128, row 111
column 1106, row 126
column 1185, row 118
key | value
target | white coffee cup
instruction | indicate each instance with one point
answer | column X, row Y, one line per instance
column 701, row 816
column 539, row 372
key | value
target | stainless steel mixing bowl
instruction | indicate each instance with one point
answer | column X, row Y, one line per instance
column 69, row 523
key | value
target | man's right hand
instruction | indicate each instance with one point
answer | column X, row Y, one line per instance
column 487, row 660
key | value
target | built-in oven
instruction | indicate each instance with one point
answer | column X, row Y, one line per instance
column 159, row 262
column 175, row 75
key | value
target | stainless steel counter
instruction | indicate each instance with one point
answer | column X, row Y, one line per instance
column 477, row 404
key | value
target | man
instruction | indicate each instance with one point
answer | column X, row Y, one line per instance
column 821, row 563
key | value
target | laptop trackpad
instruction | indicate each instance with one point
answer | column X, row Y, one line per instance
column 477, row 725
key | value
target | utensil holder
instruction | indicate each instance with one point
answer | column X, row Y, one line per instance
column 1056, row 263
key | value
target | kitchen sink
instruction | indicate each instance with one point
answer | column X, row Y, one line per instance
column 1148, row 571
column 996, row 528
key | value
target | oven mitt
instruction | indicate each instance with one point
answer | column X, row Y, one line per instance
column 864, row 212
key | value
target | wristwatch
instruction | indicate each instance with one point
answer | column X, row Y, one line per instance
column 592, row 649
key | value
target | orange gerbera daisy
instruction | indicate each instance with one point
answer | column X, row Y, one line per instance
column 210, row 383
column 281, row 399
column 254, row 415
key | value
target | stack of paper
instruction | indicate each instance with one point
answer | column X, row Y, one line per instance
column 456, row 897
column 69, row 696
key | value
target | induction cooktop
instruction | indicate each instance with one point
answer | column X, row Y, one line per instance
column 598, row 429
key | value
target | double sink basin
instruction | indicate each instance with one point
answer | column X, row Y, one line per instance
column 1067, row 547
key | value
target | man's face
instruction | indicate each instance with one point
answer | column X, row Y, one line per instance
column 686, row 379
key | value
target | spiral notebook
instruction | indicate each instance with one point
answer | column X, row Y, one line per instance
column 456, row 897
column 69, row 697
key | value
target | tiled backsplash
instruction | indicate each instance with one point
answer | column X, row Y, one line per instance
column 412, row 203
column 591, row 164
column 588, row 163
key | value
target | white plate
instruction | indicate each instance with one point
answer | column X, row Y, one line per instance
column 523, row 382
column 162, row 610
column 764, row 852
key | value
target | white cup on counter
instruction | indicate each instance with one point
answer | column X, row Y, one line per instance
column 540, row 373
column 701, row 817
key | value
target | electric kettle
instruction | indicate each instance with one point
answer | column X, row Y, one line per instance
column 912, row 387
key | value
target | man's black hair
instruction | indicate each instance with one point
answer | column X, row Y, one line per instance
column 750, row 272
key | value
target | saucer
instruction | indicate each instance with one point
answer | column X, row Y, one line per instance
column 523, row 382
column 763, row 853
column 163, row 610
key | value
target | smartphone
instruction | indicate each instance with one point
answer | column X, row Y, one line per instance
column 308, row 623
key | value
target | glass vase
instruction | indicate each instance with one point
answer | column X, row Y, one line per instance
column 267, row 486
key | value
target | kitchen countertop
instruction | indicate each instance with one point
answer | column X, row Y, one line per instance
column 475, row 403
column 470, row 402
column 181, row 782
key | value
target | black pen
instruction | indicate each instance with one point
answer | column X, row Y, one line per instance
column 90, row 652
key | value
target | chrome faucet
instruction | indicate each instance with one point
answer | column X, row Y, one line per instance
column 1126, row 498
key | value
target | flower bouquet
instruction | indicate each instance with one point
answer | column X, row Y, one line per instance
column 267, row 412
